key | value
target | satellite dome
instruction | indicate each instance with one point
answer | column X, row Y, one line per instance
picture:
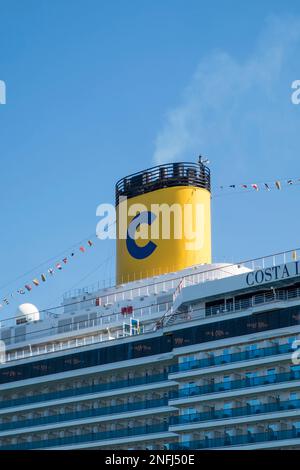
column 30, row 311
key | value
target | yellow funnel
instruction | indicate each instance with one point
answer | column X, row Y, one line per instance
column 163, row 220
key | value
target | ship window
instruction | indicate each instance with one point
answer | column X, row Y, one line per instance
column 187, row 438
column 186, row 358
column 189, row 411
column 291, row 339
column 218, row 306
column 227, row 406
column 20, row 334
column 226, row 354
column 297, row 424
column 250, row 375
column 179, row 338
column 253, row 401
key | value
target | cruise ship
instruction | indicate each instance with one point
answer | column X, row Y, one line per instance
column 180, row 354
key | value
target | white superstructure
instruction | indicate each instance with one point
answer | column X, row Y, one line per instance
column 200, row 358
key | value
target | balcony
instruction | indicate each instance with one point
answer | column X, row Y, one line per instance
column 234, row 384
column 229, row 358
column 242, row 439
column 72, row 392
column 58, row 418
column 90, row 437
column 247, row 410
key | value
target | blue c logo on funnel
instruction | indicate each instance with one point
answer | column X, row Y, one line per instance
column 136, row 251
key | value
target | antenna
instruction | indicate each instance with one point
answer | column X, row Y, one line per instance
column 202, row 160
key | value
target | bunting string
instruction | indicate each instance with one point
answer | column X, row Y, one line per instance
column 46, row 274
column 266, row 186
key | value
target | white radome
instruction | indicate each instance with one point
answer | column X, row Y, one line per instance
column 28, row 310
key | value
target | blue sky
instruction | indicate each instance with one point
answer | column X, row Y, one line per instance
column 99, row 89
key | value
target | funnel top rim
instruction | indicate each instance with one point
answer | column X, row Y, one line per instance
column 163, row 176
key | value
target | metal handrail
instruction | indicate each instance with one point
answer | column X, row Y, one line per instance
column 247, row 410
column 90, row 437
column 240, row 439
column 222, row 359
column 218, row 387
column 169, row 316
column 199, row 276
column 84, row 414
column 85, row 390
column 161, row 176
